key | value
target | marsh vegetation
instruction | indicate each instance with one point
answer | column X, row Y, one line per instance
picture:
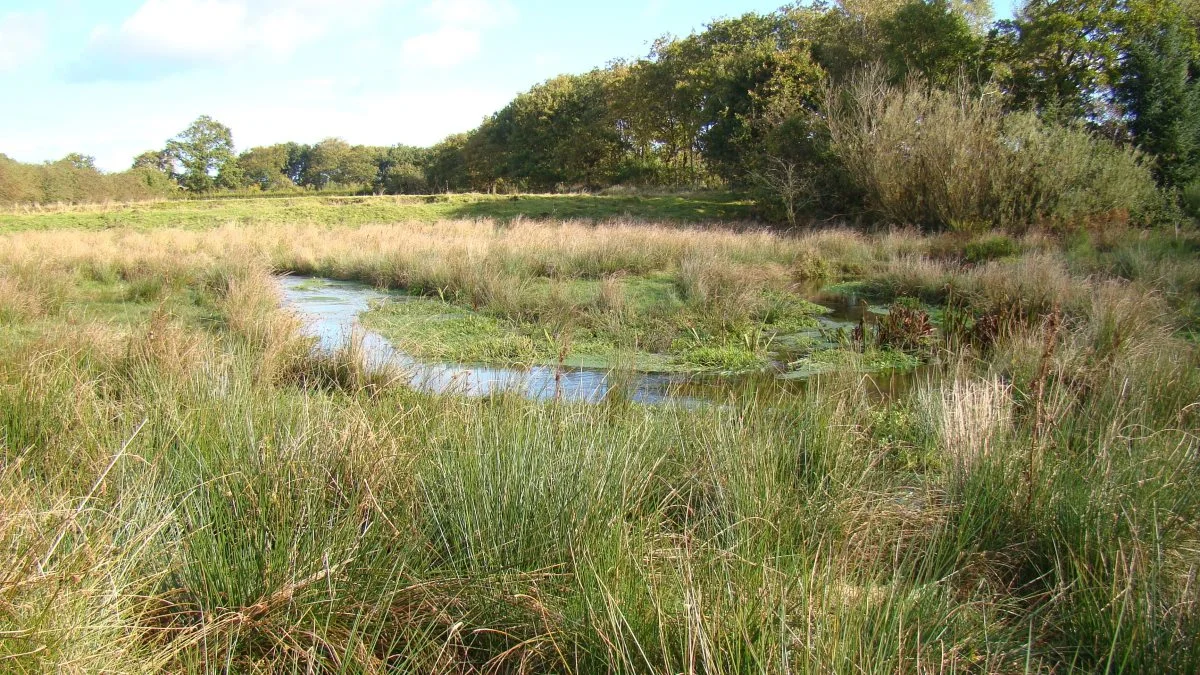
column 921, row 290
column 187, row 486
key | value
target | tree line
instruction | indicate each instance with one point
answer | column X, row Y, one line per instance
column 75, row 179
column 919, row 110
column 202, row 159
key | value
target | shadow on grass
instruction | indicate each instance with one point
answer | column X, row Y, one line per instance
column 677, row 208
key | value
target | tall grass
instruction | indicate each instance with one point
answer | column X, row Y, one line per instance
column 192, row 491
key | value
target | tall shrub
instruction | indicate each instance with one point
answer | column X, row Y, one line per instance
column 1064, row 176
column 955, row 159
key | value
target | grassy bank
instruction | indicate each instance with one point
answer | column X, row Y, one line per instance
column 186, row 488
column 342, row 210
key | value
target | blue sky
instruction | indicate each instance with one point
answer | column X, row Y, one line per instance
column 117, row 77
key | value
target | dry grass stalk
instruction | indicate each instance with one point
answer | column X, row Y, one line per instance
column 974, row 417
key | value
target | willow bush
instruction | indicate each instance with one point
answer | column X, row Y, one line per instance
column 955, row 159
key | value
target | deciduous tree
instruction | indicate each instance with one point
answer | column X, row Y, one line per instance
column 266, row 166
column 202, row 151
column 1062, row 57
column 929, row 39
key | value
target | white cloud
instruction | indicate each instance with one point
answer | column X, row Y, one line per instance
column 282, row 32
column 182, row 33
column 459, row 36
column 185, row 29
column 445, row 47
column 22, row 38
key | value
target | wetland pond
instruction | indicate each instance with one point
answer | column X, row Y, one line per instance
column 331, row 309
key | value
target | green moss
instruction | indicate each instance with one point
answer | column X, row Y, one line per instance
column 130, row 304
column 853, row 287
column 438, row 331
column 787, row 313
column 727, row 358
column 312, row 284
column 598, row 353
column 579, row 292
column 803, row 342
column 831, row 360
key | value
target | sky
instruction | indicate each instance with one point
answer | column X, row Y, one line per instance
column 114, row 78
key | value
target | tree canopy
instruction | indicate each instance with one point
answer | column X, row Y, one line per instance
column 745, row 104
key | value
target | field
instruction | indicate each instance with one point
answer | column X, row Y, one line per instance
column 346, row 210
column 186, row 486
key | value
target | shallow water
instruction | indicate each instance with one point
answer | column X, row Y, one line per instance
column 330, row 311
column 846, row 310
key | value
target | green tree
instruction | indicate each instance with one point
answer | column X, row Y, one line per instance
column 202, row 151
column 657, row 102
column 401, row 170
column 266, row 166
column 839, row 42
column 750, row 62
column 790, row 159
column 75, row 179
column 1160, row 90
column 80, row 161
column 231, row 177
column 928, row 38
column 324, row 163
column 296, row 166
column 843, row 37
column 446, row 165
column 560, row 132
column 359, row 167
column 1061, row 57
column 156, row 160
column 334, row 162
column 144, row 183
